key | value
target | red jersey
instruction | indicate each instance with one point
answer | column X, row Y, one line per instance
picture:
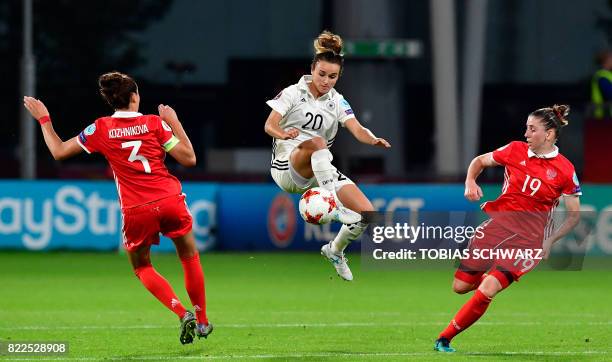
column 135, row 146
column 533, row 184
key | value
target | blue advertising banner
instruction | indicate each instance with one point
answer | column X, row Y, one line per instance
column 47, row 215
column 50, row 215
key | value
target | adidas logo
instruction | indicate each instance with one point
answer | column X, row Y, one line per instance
column 174, row 303
column 303, row 100
column 197, row 308
column 523, row 163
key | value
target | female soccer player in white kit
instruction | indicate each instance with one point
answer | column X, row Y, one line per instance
column 303, row 122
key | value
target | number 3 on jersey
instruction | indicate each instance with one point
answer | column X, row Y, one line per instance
column 134, row 156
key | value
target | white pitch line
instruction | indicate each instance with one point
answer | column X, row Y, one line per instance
column 317, row 355
column 307, row 325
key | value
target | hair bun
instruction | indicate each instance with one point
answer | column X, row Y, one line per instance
column 561, row 111
column 328, row 42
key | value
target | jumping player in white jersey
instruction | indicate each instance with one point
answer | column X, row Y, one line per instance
column 303, row 122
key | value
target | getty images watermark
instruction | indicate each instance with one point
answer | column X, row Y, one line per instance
column 447, row 239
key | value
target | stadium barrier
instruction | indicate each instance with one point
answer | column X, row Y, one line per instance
column 78, row 215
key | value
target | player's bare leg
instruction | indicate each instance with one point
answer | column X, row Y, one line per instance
column 312, row 158
column 462, row 287
column 187, row 251
column 472, row 310
column 161, row 289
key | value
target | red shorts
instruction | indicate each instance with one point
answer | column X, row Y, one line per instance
column 499, row 249
column 143, row 224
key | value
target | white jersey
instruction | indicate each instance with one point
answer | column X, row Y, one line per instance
column 312, row 117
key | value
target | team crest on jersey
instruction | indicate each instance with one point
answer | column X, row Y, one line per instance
column 90, row 129
column 330, row 105
column 551, row 174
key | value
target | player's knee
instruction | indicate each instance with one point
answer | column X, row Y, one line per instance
column 318, row 143
column 461, row 287
column 490, row 286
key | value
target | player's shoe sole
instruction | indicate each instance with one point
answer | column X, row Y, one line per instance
column 443, row 345
column 338, row 261
column 203, row 331
column 188, row 327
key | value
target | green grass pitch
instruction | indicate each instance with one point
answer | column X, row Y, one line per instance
column 292, row 306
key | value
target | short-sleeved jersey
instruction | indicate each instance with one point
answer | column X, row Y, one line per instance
column 312, row 117
column 532, row 186
column 135, row 146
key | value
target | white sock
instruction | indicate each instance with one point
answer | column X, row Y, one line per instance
column 323, row 170
column 347, row 234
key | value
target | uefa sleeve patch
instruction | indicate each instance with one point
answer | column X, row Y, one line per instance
column 165, row 126
column 90, row 130
column 577, row 188
column 575, row 179
column 346, row 107
column 278, row 95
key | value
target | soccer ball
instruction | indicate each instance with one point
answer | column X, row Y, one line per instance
column 317, row 205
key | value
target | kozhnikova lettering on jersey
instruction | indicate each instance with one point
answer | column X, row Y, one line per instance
column 128, row 131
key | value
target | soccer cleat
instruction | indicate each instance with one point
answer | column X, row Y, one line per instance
column 188, row 326
column 203, row 330
column 339, row 262
column 344, row 215
column 443, row 345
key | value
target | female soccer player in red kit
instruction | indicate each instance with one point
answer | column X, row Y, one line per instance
column 150, row 197
column 536, row 176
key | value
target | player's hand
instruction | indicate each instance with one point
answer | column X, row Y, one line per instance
column 36, row 108
column 473, row 192
column 167, row 114
column 546, row 246
column 381, row 142
column 290, row 133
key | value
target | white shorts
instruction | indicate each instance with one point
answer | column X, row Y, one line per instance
column 290, row 181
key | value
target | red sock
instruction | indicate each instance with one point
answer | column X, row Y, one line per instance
column 160, row 288
column 194, row 283
column 467, row 315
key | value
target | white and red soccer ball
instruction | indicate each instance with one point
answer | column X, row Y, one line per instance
column 317, row 206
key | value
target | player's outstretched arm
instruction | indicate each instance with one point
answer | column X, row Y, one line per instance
column 274, row 129
column 183, row 152
column 59, row 149
column 473, row 192
column 572, row 205
column 364, row 135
